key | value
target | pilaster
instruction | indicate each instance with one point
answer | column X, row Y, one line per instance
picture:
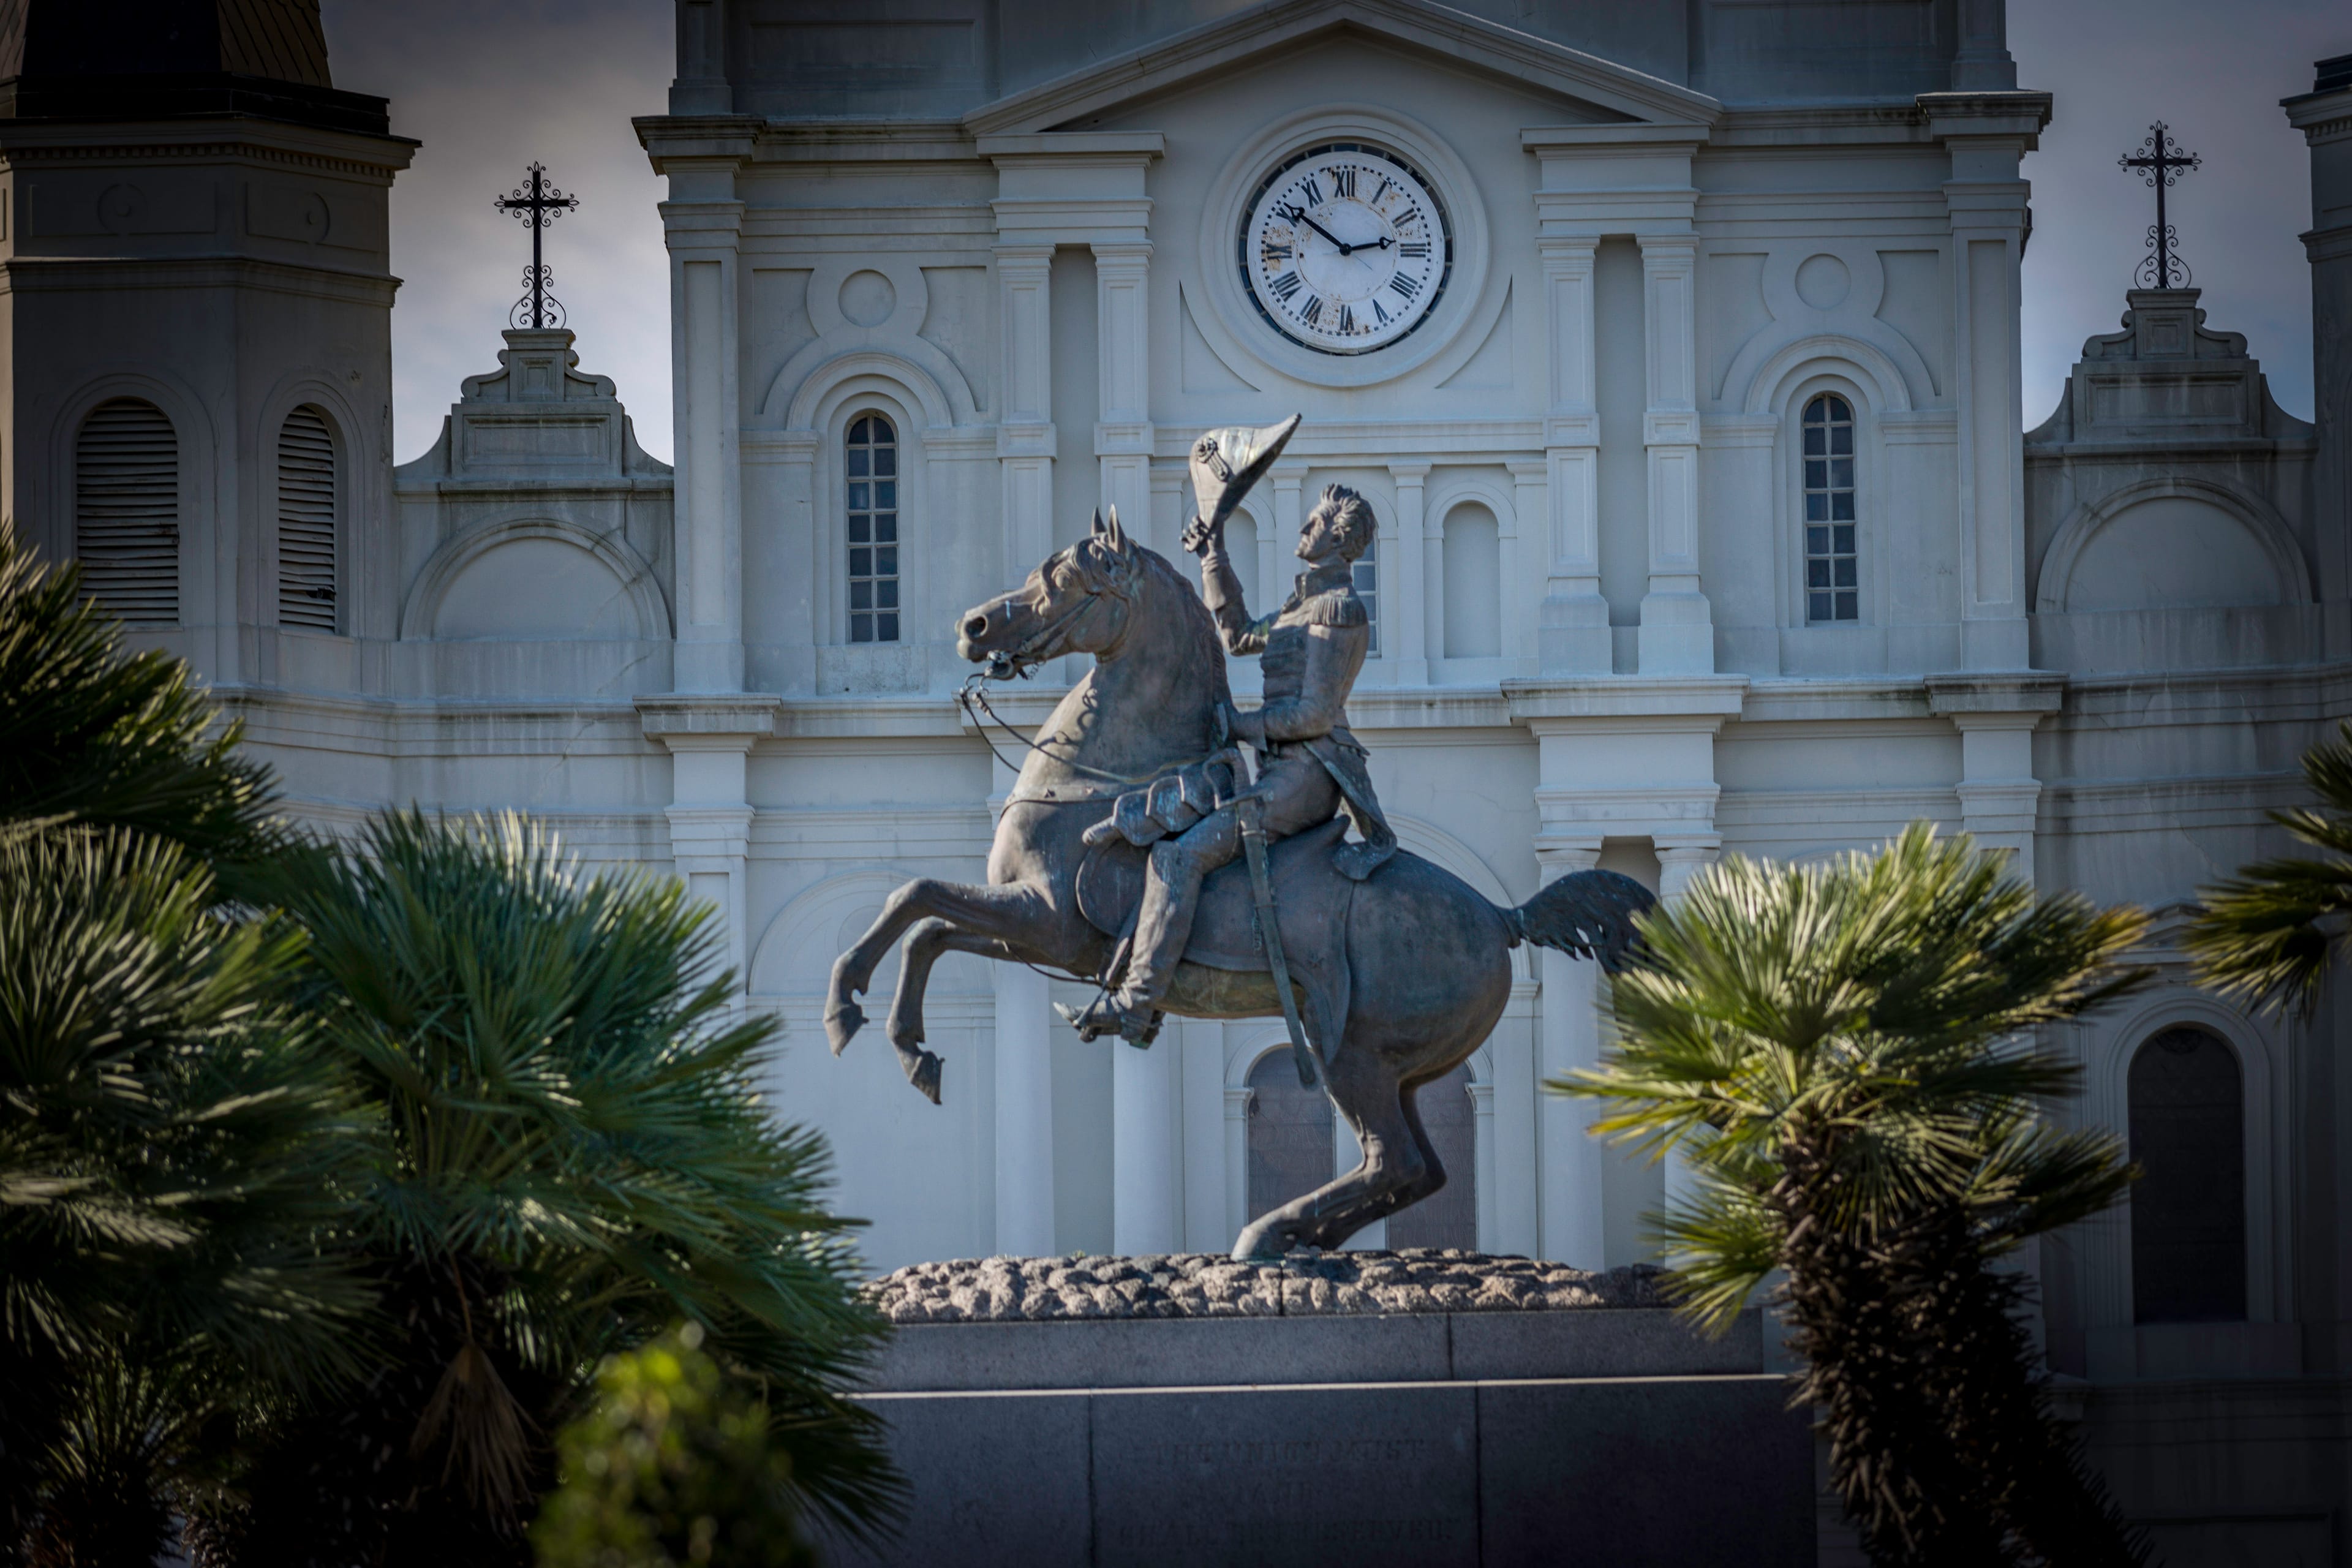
column 1987, row 134
column 1123, row 437
column 1677, row 636
column 1025, row 434
column 1410, row 585
column 709, row 740
column 1572, row 635
column 1569, row 1211
column 1996, row 715
column 1525, row 543
column 1276, row 544
column 703, row 229
column 2324, row 118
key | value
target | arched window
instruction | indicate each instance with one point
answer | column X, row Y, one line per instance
column 872, row 456
column 1368, row 588
column 306, row 521
column 1450, row 1216
column 127, row 512
column 1473, row 557
column 1290, row 1149
column 2189, row 1207
column 1833, row 566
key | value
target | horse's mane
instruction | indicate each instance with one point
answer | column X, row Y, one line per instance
column 1209, row 647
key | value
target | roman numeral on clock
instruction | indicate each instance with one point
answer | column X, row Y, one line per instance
column 1285, row 286
column 1312, row 192
column 1346, row 180
column 1411, row 247
column 1347, row 321
column 1312, row 312
column 1379, row 312
column 1404, row 286
column 1282, row 252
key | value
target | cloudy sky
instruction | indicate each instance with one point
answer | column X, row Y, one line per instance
column 488, row 85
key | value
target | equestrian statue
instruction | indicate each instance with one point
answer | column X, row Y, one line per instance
column 1115, row 855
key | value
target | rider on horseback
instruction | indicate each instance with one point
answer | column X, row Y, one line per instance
column 1309, row 766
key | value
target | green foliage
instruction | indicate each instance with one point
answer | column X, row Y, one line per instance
column 574, row 1156
column 673, row 1465
column 2271, row 933
column 1842, row 1053
column 172, row 1145
column 90, row 735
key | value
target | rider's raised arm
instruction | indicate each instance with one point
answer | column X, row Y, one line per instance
column 1221, row 589
column 1337, row 639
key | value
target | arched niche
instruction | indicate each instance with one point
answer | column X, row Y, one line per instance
column 2171, row 546
column 2187, row 1096
column 535, row 579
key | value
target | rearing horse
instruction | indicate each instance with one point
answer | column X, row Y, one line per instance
column 1419, row 959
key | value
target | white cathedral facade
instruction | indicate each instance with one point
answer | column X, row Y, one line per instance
column 1677, row 351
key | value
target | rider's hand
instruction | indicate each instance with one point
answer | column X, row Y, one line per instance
column 1248, row 726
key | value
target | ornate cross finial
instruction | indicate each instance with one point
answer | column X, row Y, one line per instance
column 537, row 203
column 2162, row 163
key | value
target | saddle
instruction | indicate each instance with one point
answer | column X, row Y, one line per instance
column 1311, row 899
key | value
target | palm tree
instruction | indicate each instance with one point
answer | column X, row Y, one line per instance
column 1842, row 1053
column 575, row 1156
column 91, row 735
column 171, row 1137
column 2271, row 933
column 173, row 1146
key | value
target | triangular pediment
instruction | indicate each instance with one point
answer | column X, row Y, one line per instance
column 1202, row 54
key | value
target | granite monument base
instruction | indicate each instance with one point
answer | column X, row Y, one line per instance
column 1603, row 1434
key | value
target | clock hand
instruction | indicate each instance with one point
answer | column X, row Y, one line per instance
column 1298, row 215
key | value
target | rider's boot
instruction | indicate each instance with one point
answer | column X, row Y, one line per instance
column 1171, row 887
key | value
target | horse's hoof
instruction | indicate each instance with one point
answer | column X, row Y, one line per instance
column 842, row 1024
column 1257, row 1245
column 925, row 1075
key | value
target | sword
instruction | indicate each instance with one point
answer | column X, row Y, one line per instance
column 1262, row 890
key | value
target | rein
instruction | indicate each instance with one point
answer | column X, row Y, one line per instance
column 1021, row 661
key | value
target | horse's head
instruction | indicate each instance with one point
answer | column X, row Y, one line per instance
column 1079, row 601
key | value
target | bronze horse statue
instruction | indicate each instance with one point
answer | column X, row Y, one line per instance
column 1399, row 977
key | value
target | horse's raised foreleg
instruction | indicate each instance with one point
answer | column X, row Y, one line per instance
column 929, row 937
column 1392, row 1173
column 1000, row 911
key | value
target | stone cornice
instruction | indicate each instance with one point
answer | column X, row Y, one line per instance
column 32, row 144
column 44, row 274
column 1227, row 41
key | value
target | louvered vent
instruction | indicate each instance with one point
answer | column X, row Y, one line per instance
column 306, row 523
column 127, row 512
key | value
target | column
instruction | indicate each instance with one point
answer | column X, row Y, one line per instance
column 1987, row 135
column 1568, row 1036
column 1123, row 356
column 702, row 226
column 1680, row 861
column 1676, row 638
column 1572, row 625
column 1144, row 1207
column 1433, row 582
column 1403, row 593
column 1025, row 1093
column 1025, row 431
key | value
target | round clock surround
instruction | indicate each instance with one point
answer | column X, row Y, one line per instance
column 1234, row 319
column 1346, row 248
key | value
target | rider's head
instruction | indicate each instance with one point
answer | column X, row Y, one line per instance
column 1341, row 525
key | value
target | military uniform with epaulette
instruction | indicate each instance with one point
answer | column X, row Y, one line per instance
column 1309, row 766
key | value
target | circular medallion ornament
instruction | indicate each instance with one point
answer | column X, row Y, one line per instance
column 1345, row 248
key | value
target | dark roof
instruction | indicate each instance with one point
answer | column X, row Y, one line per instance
column 2333, row 73
column 167, row 59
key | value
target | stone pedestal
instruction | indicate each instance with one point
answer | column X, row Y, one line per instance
column 1293, row 1430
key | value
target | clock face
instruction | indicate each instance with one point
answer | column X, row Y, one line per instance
column 1346, row 248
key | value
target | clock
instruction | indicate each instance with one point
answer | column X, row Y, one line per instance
column 1345, row 248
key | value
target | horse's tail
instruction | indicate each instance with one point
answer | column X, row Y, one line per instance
column 1588, row 913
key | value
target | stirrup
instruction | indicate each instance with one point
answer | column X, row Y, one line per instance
column 1106, row 1014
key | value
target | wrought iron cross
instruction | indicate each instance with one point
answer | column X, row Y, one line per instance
column 537, row 203
column 2161, row 163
